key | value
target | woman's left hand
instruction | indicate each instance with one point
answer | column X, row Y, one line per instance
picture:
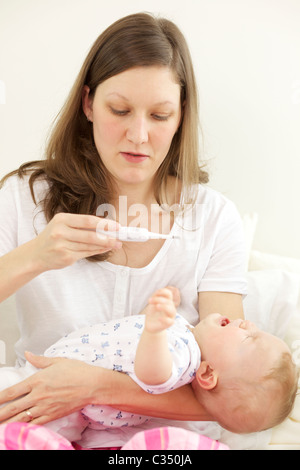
column 60, row 387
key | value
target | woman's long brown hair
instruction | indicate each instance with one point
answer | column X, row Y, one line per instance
column 78, row 180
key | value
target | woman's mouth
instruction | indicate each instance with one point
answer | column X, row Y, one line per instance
column 134, row 157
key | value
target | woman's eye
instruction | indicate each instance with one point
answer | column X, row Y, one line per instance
column 124, row 112
column 119, row 112
column 161, row 117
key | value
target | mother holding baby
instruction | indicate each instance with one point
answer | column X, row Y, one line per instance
column 127, row 137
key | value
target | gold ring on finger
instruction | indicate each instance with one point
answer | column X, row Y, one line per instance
column 29, row 414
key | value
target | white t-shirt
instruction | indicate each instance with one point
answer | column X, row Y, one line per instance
column 209, row 256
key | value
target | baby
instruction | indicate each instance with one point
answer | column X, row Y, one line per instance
column 243, row 377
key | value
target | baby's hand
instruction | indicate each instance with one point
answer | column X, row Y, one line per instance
column 161, row 311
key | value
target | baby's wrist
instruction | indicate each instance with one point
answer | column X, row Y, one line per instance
column 154, row 330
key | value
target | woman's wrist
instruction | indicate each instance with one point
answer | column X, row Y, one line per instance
column 32, row 261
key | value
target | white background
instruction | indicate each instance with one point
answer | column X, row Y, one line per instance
column 247, row 61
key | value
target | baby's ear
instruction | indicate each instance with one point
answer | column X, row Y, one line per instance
column 206, row 377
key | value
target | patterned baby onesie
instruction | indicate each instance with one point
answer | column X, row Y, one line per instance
column 112, row 345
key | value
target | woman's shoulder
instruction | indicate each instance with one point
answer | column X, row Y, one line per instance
column 13, row 180
column 197, row 193
column 214, row 206
column 19, row 185
column 207, row 195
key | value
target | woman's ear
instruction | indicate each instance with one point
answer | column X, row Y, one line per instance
column 87, row 103
column 206, row 377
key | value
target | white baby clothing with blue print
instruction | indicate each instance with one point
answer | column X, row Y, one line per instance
column 113, row 345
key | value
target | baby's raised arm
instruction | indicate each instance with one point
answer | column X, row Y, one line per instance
column 153, row 361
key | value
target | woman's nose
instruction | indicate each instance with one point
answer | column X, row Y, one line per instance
column 137, row 131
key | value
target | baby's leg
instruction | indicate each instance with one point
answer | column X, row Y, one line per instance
column 71, row 426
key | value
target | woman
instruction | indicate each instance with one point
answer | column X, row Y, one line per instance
column 127, row 139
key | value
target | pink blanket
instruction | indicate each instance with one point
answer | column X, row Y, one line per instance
column 25, row 436
column 169, row 438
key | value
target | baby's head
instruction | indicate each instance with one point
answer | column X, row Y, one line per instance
column 246, row 380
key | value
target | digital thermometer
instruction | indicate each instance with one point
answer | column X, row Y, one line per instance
column 135, row 234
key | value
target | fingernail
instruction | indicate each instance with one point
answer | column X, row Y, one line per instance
column 102, row 237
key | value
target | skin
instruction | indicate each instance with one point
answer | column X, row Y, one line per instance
column 137, row 111
column 237, row 349
column 240, row 342
column 160, row 315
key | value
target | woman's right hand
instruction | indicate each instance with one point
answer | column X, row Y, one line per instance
column 71, row 237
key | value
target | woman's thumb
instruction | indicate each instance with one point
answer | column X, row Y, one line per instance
column 38, row 361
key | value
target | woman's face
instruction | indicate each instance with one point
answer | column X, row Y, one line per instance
column 135, row 115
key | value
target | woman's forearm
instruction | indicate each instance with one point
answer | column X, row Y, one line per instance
column 120, row 391
column 16, row 269
column 66, row 239
column 63, row 386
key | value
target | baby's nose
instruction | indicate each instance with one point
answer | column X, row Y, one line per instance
column 247, row 325
column 237, row 323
